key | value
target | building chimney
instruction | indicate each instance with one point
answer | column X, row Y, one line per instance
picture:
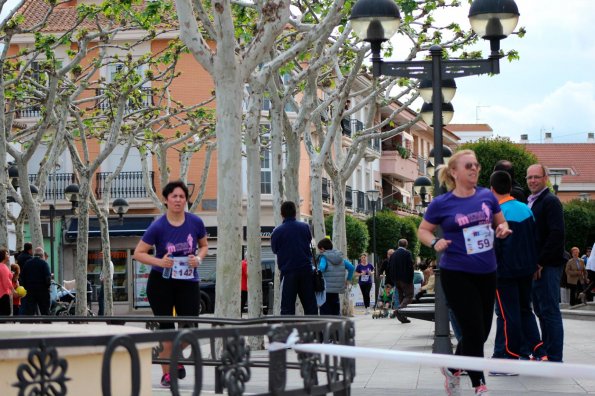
column 548, row 137
column 524, row 138
column 591, row 137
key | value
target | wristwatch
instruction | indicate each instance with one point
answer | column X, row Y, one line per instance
column 434, row 242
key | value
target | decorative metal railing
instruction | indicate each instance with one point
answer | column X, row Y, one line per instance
column 224, row 339
column 145, row 100
column 125, row 185
column 55, row 185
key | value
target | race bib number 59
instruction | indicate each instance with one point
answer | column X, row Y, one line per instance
column 479, row 238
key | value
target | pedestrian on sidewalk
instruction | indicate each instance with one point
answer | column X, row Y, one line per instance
column 549, row 218
column 337, row 273
column 291, row 241
column 401, row 272
column 365, row 271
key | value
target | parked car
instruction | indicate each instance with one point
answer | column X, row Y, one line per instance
column 208, row 282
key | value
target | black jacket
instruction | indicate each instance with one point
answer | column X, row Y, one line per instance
column 400, row 266
column 35, row 274
column 549, row 219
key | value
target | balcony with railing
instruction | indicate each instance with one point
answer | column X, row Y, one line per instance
column 32, row 111
column 55, row 185
column 400, row 163
column 134, row 104
column 125, row 185
column 348, row 197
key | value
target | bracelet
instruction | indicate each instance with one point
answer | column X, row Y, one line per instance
column 434, row 242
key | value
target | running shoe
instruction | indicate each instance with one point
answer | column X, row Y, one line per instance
column 181, row 371
column 482, row 390
column 452, row 382
column 166, row 380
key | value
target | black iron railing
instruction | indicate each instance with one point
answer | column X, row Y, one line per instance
column 348, row 196
column 223, row 343
column 55, row 185
column 360, row 201
column 125, row 185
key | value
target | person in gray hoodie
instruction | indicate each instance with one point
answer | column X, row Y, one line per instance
column 337, row 273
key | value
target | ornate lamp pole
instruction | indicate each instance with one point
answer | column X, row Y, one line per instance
column 376, row 21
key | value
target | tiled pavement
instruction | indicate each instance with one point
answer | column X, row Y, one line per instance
column 375, row 377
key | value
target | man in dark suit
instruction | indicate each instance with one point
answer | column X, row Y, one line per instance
column 549, row 219
column 36, row 279
column 401, row 273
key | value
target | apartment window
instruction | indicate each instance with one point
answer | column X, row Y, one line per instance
column 266, row 170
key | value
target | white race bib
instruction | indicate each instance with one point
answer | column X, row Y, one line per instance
column 479, row 238
column 365, row 278
column 181, row 270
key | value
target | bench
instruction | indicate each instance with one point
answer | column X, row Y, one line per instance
column 418, row 311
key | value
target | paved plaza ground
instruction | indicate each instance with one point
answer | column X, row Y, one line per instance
column 375, row 377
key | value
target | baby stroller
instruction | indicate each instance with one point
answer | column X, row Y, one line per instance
column 64, row 303
column 384, row 302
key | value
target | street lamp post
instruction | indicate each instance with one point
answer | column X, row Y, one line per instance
column 120, row 206
column 376, row 21
column 556, row 180
column 373, row 198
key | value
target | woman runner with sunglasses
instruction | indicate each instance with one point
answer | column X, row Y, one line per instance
column 469, row 217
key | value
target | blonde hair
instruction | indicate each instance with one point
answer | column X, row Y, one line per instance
column 444, row 176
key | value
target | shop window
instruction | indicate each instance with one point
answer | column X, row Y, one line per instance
column 120, row 283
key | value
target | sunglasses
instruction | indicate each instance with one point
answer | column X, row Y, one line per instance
column 470, row 165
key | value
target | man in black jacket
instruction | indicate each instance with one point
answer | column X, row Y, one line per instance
column 36, row 279
column 401, row 273
column 549, row 218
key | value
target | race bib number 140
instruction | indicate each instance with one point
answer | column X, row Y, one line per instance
column 479, row 238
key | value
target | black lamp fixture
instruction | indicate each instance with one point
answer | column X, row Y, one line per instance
column 71, row 193
column 34, row 190
column 446, row 154
column 492, row 20
column 120, row 206
column 422, row 186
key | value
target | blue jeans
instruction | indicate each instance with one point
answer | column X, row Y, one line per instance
column 546, row 303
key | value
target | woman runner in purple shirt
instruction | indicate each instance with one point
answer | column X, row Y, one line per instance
column 469, row 217
column 173, row 280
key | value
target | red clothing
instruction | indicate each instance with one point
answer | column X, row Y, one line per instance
column 244, row 275
column 5, row 280
column 16, row 300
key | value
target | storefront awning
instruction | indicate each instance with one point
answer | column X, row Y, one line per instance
column 130, row 226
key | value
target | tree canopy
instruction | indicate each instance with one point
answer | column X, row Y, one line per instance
column 490, row 151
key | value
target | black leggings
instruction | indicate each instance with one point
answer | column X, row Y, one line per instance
column 365, row 288
column 471, row 298
column 166, row 294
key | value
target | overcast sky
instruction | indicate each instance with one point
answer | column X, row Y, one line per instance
column 551, row 88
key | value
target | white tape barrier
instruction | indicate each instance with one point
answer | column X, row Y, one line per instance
column 538, row 369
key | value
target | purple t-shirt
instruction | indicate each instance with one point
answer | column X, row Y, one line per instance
column 453, row 214
column 178, row 241
column 364, row 278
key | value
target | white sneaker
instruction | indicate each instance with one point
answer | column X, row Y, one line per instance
column 367, row 311
column 452, row 382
